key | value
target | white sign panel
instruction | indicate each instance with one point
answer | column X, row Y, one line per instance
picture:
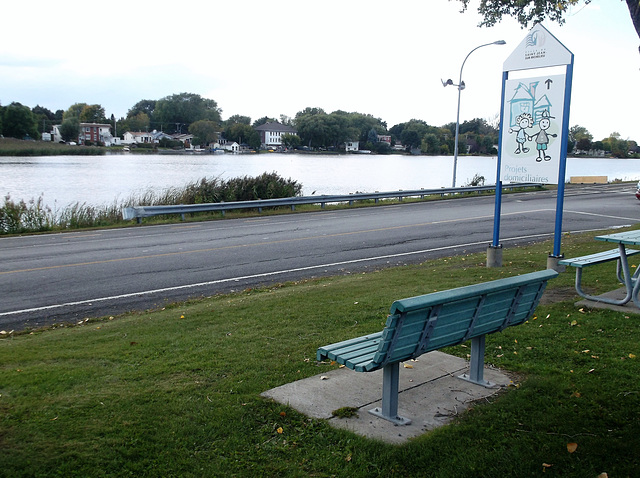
column 531, row 139
column 538, row 49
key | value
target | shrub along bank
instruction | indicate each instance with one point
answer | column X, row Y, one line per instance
column 33, row 216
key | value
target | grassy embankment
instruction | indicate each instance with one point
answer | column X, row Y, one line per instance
column 17, row 147
column 175, row 392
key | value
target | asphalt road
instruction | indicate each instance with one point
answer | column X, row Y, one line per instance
column 53, row 278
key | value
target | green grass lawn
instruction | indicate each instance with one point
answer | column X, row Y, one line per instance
column 175, row 392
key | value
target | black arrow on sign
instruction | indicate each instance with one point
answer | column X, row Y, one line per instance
column 548, row 82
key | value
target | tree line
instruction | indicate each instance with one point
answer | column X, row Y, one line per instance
column 316, row 129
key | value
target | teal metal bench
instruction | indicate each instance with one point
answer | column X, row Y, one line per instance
column 418, row 325
column 600, row 258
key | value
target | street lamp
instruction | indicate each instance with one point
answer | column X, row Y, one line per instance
column 461, row 86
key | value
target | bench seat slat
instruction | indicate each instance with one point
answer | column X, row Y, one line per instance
column 322, row 351
column 597, row 258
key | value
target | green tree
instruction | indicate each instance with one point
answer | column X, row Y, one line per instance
column 372, row 136
column 143, row 106
column 92, row 114
column 238, row 119
column 138, row 122
column 619, row 148
column 535, row 11
column 583, row 144
column 177, row 112
column 74, row 111
column 263, row 120
column 45, row 119
column 204, row 132
column 19, row 122
column 413, row 132
column 286, row 120
column 580, row 138
column 316, row 128
column 243, row 133
column 291, row 140
column 70, row 129
column 430, row 144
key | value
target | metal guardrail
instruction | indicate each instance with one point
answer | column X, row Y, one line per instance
column 139, row 212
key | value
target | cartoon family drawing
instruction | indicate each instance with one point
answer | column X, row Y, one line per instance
column 525, row 121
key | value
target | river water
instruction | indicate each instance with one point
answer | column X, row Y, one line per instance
column 101, row 180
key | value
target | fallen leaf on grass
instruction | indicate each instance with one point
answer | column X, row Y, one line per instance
column 280, row 430
column 574, row 323
column 545, row 466
column 571, row 447
column 632, row 356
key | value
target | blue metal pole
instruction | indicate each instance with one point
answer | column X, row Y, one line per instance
column 563, row 160
column 498, row 205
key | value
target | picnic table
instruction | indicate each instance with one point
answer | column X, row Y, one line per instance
column 621, row 254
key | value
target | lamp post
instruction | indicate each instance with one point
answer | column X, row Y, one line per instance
column 461, row 86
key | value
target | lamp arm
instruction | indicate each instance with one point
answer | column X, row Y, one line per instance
column 469, row 54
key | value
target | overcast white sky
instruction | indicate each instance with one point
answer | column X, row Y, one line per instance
column 266, row 58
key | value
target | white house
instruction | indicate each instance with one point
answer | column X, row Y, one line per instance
column 271, row 134
column 351, row 146
column 137, row 137
column 225, row 145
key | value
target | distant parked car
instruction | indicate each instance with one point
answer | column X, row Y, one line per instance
column 638, row 190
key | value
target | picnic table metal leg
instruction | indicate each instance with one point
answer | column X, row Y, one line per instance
column 476, row 366
column 390, row 389
column 624, row 276
column 636, row 289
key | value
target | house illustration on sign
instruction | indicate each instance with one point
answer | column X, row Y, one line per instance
column 524, row 100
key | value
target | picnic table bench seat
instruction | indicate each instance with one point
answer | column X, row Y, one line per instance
column 600, row 258
column 418, row 325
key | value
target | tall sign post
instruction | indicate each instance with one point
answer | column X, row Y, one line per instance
column 534, row 126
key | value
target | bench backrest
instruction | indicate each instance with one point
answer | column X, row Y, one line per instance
column 429, row 322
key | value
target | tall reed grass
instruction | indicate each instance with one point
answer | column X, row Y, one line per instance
column 33, row 216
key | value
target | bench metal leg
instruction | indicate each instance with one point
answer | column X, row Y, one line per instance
column 390, row 388
column 476, row 367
